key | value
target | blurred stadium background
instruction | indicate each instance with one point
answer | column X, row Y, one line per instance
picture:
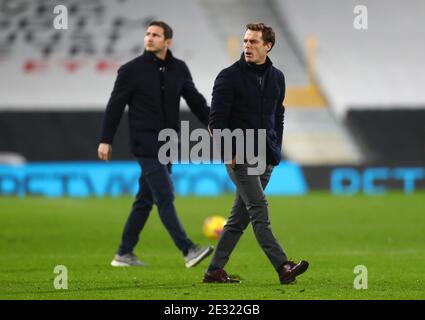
column 355, row 102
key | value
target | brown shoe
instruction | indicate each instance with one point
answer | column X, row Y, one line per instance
column 290, row 270
column 218, row 276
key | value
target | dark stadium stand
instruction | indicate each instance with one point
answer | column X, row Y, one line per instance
column 389, row 136
column 64, row 136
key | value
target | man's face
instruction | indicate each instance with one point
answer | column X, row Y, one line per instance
column 155, row 41
column 255, row 50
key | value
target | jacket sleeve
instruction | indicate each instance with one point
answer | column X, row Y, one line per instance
column 222, row 101
column 120, row 97
column 280, row 114
column 196, row 101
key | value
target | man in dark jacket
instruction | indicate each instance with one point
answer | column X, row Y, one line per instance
column 152, row 85
column 249, row 95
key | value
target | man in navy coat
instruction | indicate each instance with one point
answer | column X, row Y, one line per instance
column 249, row 95
column 152, row 85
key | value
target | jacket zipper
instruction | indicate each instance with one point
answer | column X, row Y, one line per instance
column 162, row 88
column 260, row 82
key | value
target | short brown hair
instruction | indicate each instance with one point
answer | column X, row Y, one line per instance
column 267, row 32
column 168, row 32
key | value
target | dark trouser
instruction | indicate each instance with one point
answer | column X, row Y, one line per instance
column 155, row 187
column 250, row 205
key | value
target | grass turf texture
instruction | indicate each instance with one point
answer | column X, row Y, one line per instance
column 384, row 233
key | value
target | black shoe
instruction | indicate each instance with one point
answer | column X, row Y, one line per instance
column 218, row 276
column 290, row 270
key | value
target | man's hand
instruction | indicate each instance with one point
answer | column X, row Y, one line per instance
column 233, row 162
column 104, row 151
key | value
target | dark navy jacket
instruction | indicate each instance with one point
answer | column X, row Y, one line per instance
column 152, row 91
column 239, row 101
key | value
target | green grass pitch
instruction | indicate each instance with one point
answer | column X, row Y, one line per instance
column 384, row 233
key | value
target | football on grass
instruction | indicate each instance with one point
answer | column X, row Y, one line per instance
column 213, row 227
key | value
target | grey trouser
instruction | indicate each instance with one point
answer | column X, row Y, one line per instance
column 250, row 205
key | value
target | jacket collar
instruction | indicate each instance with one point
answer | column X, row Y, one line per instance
column 151, row 57
column 246, row 65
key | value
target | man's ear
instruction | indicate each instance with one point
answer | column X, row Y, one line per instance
column 269, row 46
column 168, row 42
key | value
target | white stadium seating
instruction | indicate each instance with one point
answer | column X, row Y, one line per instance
column 380, row 67
column 45, row 68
